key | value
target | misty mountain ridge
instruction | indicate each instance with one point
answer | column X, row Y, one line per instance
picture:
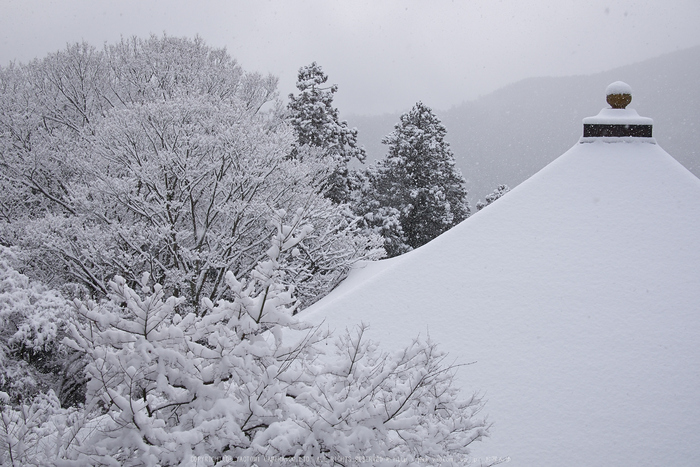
column 507, row 136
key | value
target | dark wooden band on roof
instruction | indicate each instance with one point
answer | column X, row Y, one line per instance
column 596, row 130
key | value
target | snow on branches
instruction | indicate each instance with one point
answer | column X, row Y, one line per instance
column 32, row 324
column 171, row 162
column 416, row 192
column 396, row 406
column 316, row 125
column 492, row 197
column 248, row 380
column 158, row 164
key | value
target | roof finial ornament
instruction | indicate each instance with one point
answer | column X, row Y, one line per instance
column 618, row 95
column 617, row 122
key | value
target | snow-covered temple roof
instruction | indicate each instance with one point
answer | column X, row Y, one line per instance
column 577, row 295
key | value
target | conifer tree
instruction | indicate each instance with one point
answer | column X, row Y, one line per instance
column 490, row 198
column 418, row 178
column 316, row 124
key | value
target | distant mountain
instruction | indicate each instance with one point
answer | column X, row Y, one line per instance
column 507, row 136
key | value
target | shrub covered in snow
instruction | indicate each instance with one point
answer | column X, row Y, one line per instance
column 246, row 382
column 32, row 325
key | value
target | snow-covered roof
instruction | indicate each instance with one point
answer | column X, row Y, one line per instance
column 618, row 117
column 577, row 295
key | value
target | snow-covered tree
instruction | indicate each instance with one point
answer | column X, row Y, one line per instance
column 39, row 432
column 44, row 106
column 315, row 122
column 195, row 206
column 490, row 198
column 419, row 180
column 142, row 179
column 41, row 380
column 48, row 106
column 33, row 321
column 248, row 382
column 376, row 216
column 170, row 164
column 173, row 385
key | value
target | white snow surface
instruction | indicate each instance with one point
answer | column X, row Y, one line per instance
column 618, row 117
column 577, row 295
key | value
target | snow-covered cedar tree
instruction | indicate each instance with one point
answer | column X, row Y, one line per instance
column 490, row 198
column 316, row 124
column 248, row 383
column 376, row 217
column 171, row 161
column 33, row 321
column 419, row 180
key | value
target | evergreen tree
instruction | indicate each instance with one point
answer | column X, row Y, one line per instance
column 418, row 178
column 496, row 194
column 316, row 124
column 374, row 216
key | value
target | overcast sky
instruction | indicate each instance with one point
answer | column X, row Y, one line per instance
column 384, row 55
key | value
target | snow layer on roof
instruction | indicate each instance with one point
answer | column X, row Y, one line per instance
column 618, row 117
column 577, row 295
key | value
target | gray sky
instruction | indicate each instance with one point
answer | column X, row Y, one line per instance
column 384, row 54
